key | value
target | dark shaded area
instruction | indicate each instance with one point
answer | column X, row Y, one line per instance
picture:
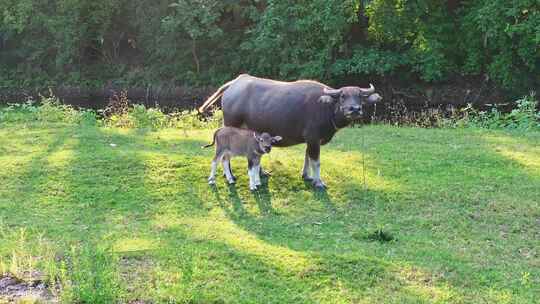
column 399, row 98
column 166, row 98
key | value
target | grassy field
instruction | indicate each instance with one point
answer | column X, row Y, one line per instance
column 125, row 215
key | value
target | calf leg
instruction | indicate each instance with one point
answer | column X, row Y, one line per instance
column 314, row 150
column 227, row 169
column 258, row 170
column 305, row 171
column 253, row 173
column 212, row 177
column 228, row 164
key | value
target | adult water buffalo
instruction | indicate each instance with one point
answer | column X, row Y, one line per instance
column 302, row 111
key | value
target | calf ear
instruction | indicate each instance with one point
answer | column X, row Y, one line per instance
column 257, row 138
column 326, row 99
column 276, row 139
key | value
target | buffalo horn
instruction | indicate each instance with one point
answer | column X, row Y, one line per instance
column 369, row 91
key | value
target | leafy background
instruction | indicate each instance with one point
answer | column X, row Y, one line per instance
column 204, row 42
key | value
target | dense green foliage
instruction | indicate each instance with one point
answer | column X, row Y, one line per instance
column 206, row 41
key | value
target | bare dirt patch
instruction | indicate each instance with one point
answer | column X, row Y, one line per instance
column 13, row 290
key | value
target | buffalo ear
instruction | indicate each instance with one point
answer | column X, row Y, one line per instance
column 374, row 98
column 326, row 99
column 276, row 139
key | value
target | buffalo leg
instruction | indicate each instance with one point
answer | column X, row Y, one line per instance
column 313, row 150
column 305, row 171
column 236, row 122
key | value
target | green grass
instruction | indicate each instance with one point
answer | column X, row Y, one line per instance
column 446, row 216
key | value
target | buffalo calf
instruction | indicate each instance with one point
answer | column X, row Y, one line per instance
column 232, row 142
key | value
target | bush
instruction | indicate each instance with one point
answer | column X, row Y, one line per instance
column 49, row 110
column 147, row 118
column 524, row 116
column 120, row 113
column 193, row 120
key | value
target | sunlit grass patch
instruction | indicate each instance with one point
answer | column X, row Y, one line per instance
column 224, row 231
column 520, row 151
column 134, row 244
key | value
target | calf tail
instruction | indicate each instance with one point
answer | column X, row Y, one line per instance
column 215, row 97
column 213, row 140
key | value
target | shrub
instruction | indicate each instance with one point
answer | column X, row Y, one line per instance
column 120, row 113
column 524, row 116
column 23, row 112
column 49, row 110
column 117, row 105
column 147, row 118
column 192, row 120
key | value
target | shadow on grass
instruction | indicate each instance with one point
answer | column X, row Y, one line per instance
column 445, row 182
column 28, row 184
column 249, row 273
column 263, row 197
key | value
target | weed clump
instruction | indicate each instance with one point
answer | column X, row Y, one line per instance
column 378, row 235
column 120, row 112
column 49, row 109
column 523, row 117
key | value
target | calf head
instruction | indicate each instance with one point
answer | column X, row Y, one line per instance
column 265, row 141
column 351, row 100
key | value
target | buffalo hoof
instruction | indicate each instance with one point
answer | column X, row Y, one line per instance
column 307, row 178
column 231, row 181
column 253, row 188
column 211, row 181
column 319, row 185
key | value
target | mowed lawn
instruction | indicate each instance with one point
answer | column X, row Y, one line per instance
column 462, row 207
